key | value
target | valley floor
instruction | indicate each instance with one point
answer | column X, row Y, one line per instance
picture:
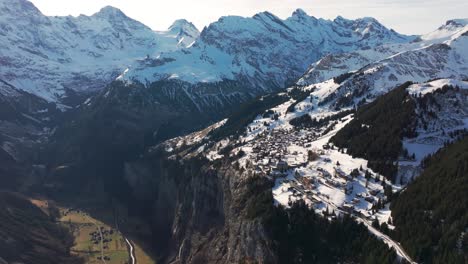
column 95, row 241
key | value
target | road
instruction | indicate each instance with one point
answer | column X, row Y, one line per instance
column 390, row 242
column 102, row 238
column 132, row 251
column 395, row 245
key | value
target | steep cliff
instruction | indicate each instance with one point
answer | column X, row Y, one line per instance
column 197, row 209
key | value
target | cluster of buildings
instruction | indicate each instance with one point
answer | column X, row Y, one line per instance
column 96, row 236
column 270, row 154
column 281, row 152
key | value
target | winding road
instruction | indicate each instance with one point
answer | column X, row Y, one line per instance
column 395, row 245
column 131, row 250
column 387, row 240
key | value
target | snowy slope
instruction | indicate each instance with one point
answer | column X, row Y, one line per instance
column 47, row 55
column 445, row 60
column 263, row 49
column 331, row 180
column 438, row 121
column 335, row 64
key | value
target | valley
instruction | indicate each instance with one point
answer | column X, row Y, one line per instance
column 95, row 241
column 255, row 140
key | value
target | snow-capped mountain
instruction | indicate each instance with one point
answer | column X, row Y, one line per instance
column 263, row 49
column 448, row 59
column 48, row 55
column 186, row 33
column 333, row 65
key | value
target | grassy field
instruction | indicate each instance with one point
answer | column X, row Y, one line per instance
column 88, row 238
column 85, row 229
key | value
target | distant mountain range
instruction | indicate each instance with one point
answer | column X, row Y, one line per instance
column 47, row 56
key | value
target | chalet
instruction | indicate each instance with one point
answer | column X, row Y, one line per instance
column 348, row 208
column 341, row 174
column 349, row 188
column 307, row 181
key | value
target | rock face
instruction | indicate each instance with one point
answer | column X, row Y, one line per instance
column 335, row 64
column 24, row 121
column 265, row 50
column 198, row 212
column 46, row 56
column 447, row 59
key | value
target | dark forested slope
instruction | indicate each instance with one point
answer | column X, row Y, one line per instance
column 431, row 215
column 30, row 236
column 376, row 131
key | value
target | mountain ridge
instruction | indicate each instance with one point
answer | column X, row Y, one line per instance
column 47, row 55
column 244, row 46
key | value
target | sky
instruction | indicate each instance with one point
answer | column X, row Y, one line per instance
column 405, row 16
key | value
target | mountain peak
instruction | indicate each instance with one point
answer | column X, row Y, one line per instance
column 299, row 13
column 182, row 24
column 266, row 15
column 110, row 12
column 457, row 22
column 19, row 7
column 184, row 27
column 368, row 20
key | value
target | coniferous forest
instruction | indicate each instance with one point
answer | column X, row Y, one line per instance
column 303, row 236
column 376, row 131
column 431, row 215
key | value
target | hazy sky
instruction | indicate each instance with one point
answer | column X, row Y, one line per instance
column 405, row 16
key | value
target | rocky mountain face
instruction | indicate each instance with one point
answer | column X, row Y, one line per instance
column 265, row 50
column 335, row 64
column 197, row 209
column 24, row 121
column 47, row 56
column 440, row 60
column 51, row 65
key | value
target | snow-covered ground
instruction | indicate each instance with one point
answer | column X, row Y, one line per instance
column 430, row 87
column 264, row 48
column 46, row 55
